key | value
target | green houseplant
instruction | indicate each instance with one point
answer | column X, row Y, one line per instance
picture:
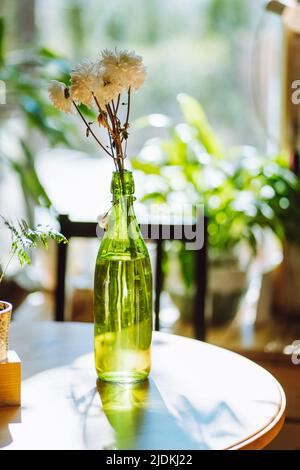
column 243, row 192
column 25, row 75
column 28, row 123
column 23, row 240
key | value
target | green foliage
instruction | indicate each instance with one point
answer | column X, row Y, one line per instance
column 225, row 15
column 243, row 192
column 155, row 196
column 26, row 74
column 147, row 168
column 34, row 192
column 187, row 264
column 195, row 117
column 24, row 239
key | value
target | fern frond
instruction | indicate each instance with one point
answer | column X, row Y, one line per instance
column 24, row 238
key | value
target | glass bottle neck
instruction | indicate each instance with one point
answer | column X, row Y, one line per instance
column 122, row 221
column 122, row 186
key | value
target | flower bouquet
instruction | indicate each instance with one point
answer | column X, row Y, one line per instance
column 123, row 279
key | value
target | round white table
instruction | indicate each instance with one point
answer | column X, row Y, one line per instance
column 198, row 396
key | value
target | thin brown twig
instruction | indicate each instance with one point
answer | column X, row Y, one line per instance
column 112, row 150
column 101, row 111
column 97, row 102
column 110, row 113
column 116, row 136
column 128, row 108
column 91, row 130
column 109, row 130
column 118, row 102
column 125, row 150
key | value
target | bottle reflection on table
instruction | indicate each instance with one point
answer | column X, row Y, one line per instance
column 124, row 406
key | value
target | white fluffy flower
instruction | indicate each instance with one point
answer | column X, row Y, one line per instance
column 108, row 87
column 60, row 96
column 124, row 67
column 90, row 78
column 84, row 82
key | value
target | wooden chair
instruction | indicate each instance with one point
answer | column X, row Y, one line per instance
column 73, row 229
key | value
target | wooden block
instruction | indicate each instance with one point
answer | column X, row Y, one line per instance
column 10, row 380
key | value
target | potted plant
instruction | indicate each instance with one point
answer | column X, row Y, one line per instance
column 23, row 240
column 243, row 192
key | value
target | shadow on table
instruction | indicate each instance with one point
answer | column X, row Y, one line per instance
column 49, row 345
column 133, row 416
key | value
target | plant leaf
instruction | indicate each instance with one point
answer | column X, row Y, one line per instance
column 24, row 239
column 147, row 168
column 195, row 116
column 155, row 196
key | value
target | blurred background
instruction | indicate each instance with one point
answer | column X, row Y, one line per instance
column 209, row 126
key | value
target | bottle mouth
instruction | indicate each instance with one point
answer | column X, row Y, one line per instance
column 122, row 172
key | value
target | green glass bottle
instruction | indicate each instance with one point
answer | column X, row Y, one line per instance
column 123, row 292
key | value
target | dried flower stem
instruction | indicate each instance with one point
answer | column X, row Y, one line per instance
column 91, row 130
column 102, row 111
column 102, row 83
column 118, row 103
column 112, row 149
column 126, row 125
column 113, row 128
column 109, row 130
column 116, row 136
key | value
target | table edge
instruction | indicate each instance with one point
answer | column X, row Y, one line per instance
column 267, row 434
